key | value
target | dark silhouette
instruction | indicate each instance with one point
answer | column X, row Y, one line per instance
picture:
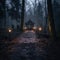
column 22, row 14
column 51, row 19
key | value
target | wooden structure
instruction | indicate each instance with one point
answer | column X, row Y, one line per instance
column 29, row 24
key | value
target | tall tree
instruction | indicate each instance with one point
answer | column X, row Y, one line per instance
column 22, row 14
column 15, row 8
column 56, row 11
column 39, row 15
column 2, row 11
column 50, row 18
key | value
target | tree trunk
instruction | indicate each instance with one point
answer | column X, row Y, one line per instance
column 22, row 14
column 50, row 18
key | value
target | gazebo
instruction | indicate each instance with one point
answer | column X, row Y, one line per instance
column 29, row 24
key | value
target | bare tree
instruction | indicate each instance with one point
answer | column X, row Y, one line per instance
column 15, row 9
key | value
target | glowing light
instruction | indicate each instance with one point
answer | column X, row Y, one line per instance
column 40, row 29
column 10, row 30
